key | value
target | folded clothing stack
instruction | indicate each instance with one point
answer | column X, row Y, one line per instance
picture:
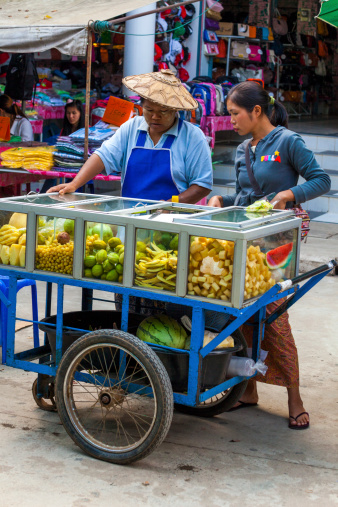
column 33, row 158
column 69, row 153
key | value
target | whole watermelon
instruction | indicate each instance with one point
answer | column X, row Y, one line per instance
column 162, row 330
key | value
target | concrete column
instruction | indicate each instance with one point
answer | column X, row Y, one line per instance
column 139, row 50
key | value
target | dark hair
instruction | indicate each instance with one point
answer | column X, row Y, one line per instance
column 250, row 94
column 68, row 127
column 7, row 104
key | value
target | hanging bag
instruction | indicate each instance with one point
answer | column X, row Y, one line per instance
column 297, row 208
column 211, row 49
column 209, row 36
column 213, row 15
column 222, row 49
column 279, row 25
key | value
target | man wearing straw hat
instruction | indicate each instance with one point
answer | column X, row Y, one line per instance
column 159, row 155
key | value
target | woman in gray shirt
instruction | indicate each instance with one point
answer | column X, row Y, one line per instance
column 277, row 157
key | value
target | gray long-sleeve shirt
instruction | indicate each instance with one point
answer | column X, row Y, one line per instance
column 279, row 159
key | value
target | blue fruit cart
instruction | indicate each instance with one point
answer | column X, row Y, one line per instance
column 114, row 393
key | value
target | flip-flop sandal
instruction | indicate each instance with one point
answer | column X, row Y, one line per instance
column 295, row 426
column 243, row 404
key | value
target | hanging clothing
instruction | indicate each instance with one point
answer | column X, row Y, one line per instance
column 259, row 13
column 282, row 358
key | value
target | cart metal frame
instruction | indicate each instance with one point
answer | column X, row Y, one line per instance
column 288, row 289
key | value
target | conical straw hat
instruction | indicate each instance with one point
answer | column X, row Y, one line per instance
column 162, row 88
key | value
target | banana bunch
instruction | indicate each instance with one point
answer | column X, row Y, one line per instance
column 10, row 235
column 156, row 269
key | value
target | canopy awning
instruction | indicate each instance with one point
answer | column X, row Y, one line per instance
column 28, row 26
column 329, row 12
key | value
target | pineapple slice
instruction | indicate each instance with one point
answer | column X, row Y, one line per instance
column 14, row 253
column 22, row 257
column 4, row 255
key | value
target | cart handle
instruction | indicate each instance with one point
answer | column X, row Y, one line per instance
column 286, row 284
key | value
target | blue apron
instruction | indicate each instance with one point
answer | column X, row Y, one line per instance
column 149, row 174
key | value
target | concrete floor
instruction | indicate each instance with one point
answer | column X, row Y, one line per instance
column 244, row 458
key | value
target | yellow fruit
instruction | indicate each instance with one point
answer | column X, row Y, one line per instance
column 14, row 253
column 4, row 254
column 18, row 220
column 22, row 239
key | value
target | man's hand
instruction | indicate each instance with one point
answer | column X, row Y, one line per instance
column 63, row 188
column 216, row 201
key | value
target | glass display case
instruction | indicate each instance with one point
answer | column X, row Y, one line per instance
column 54, row 244
column 114, row 205
column 104, row 252
column 13, row 234
column 225, row 255
column 53, row 199
column 156, row 255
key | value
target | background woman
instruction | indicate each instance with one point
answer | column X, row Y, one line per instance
column 74, row 117
column 19, row 123
column 278, row 157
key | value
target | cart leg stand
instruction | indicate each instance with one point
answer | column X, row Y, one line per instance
column 258, row 332
column 12, row 294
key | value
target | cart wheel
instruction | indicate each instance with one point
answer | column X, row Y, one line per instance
column 114, row 396
column 50, row 405
column 222, row 401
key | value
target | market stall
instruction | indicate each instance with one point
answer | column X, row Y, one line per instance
column 114, row 390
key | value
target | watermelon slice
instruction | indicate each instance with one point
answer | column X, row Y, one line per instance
column 279, row 257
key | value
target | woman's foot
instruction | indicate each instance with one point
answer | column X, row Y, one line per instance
column 298, row 417
column 250, row 395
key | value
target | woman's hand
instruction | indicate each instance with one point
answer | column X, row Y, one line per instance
column 216, row 201
column 280, row 200
column 63, row 188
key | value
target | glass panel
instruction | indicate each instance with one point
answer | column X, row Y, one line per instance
column 48, row 200
column 268, row 261
column 55, row 245
column 13, row 238
column 113, row 205
column 237, row 218
column 210, row 268
column 156, row 259
column 104, row 254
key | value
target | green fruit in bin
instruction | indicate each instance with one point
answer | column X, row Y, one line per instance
column 157, row 237
column 119, row 249
column 174, row 243
column 121, row 258
column 119, row 268
column 97, row 270
column 112, row 276
column 99, row 244
column 113, row 257
column 68, row 226
column 107, row 266
column 113, row 242
column 89, row 231
column 88, row 273
column 166, row 238
column 89, row 261
column 104, row 231
column 101, row 256
column 140, row 246
column 104, row 276
column 162, row 247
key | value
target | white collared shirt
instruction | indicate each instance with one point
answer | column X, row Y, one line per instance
column 190, row 153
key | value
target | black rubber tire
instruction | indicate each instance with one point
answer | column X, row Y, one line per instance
column 228, row 399
column 156, row 376
column 48, row 406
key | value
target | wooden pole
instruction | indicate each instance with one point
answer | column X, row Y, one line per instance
column 160, row 9
column 88, row 76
